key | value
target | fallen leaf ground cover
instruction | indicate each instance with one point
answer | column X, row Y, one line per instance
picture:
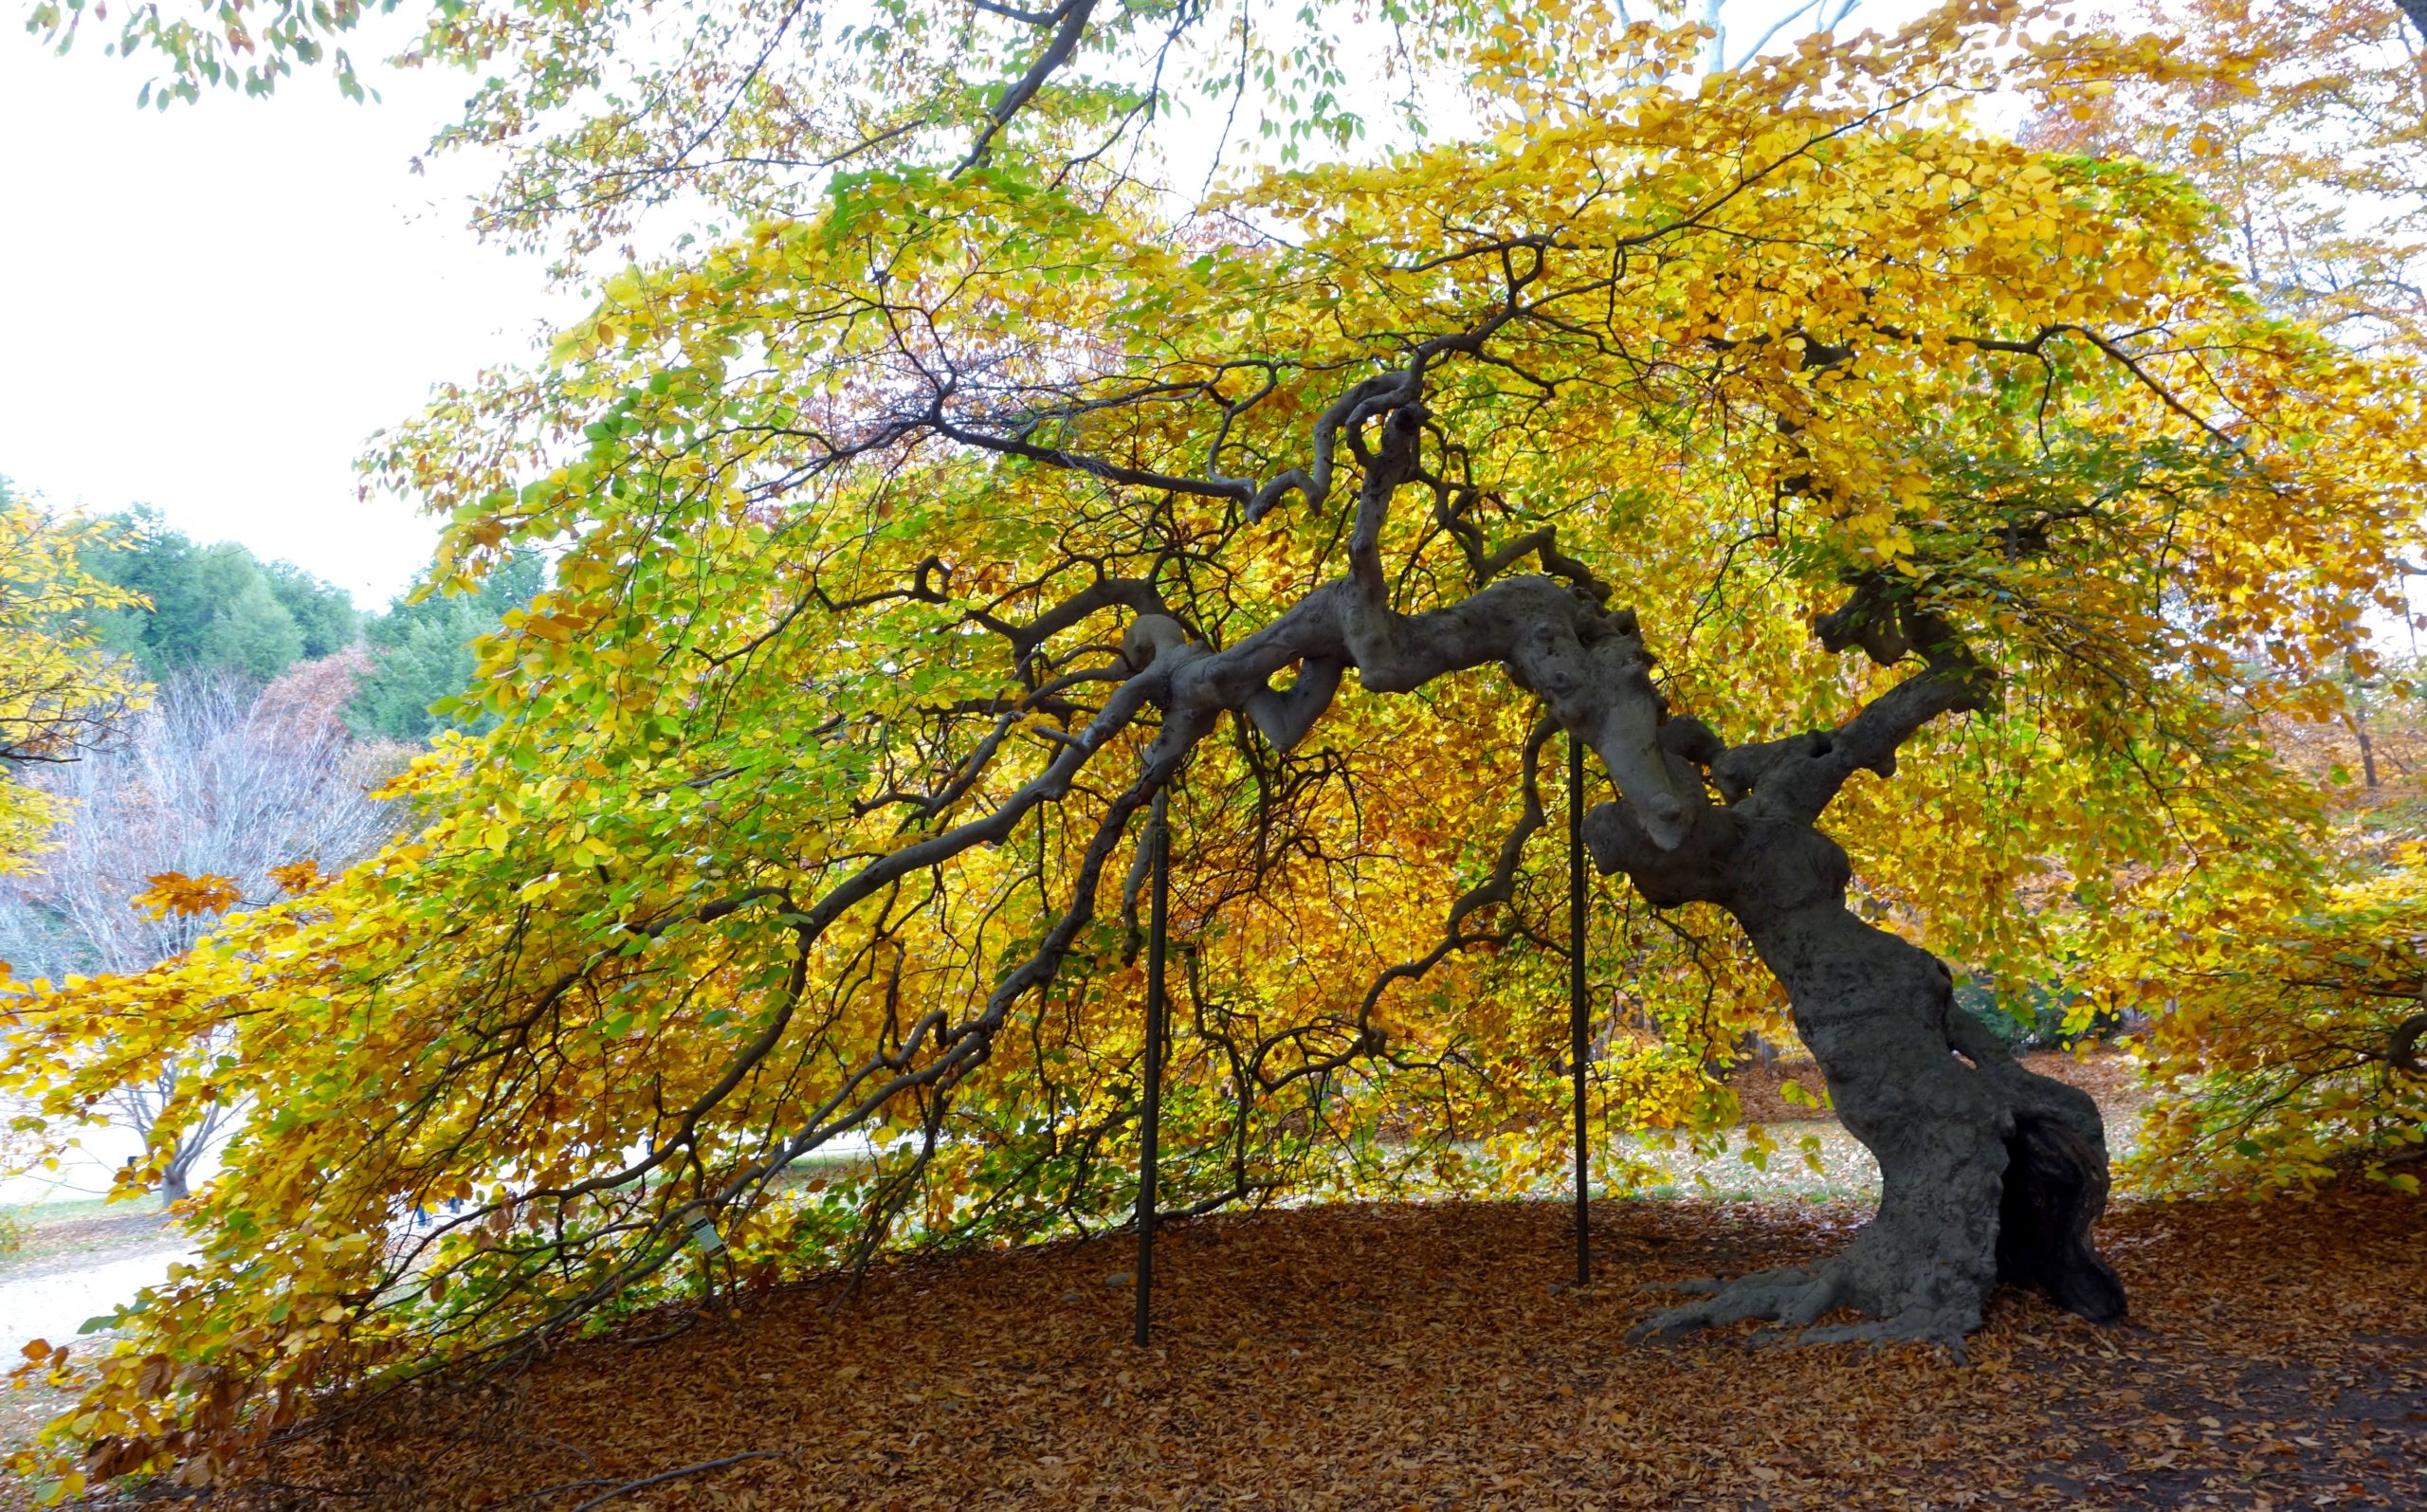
column 1433, row 1356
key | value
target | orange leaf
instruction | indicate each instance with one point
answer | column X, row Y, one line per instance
column 174, row 892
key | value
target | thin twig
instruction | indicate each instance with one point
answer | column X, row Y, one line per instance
column 675, row 1475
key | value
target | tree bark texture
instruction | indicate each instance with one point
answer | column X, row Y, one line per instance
column 1990, row 1172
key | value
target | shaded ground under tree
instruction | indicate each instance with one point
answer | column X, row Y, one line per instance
column 1384, row 1357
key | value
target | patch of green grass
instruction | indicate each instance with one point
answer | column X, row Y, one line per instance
column 67, row 1209
column 22, row 1224
column 46, row 1233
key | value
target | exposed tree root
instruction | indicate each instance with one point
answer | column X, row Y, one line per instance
column 1797, row 1297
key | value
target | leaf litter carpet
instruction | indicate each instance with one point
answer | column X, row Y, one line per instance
column 1431, row 1357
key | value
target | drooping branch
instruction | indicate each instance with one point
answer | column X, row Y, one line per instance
column 1283, row 718
column 1543, row 544
column 1587, row 663
column 2401, row 1050
column 931, row 1057
column 810, row 925
column 1588, row 666
column 959, row 1047
column 921, row 590
column 1136, row 594
column 1350, row 410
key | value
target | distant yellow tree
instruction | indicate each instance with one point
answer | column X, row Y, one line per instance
column 57, row 693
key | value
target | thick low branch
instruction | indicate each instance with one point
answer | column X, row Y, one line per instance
column 1797, row 778
column 1589, row 667
column 1283, row 718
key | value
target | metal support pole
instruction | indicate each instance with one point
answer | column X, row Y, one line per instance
column 1577, row 1026
column 1157, row 918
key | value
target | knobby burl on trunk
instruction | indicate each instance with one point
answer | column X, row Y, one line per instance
column 1992, row 1173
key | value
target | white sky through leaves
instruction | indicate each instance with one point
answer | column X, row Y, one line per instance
column 209, row 309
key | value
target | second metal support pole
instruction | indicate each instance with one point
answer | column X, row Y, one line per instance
column 1151, row 1115
column 1576, row 1025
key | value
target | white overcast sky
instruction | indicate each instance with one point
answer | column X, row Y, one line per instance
column 209, row 309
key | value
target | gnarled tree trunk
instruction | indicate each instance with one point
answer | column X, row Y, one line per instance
column 1991, row 1172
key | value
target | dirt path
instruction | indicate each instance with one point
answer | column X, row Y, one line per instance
column 51, row 1303
column 72, row 1269
column 80, row 1267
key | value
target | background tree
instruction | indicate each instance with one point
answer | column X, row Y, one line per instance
column 325, row 620
column 58, row 696
column 213, row 782
column 421, row 653
column 215, row 609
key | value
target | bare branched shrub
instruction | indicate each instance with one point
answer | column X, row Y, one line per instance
column 215, row 778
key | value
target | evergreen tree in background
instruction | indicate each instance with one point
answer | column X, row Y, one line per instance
column 220, row 611
column 421, row 651
column 324, row 616
column 215, row 608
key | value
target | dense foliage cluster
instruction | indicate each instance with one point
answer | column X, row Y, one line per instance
column 2287, row 993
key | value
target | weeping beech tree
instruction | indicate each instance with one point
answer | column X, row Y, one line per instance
column 1870, row 497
